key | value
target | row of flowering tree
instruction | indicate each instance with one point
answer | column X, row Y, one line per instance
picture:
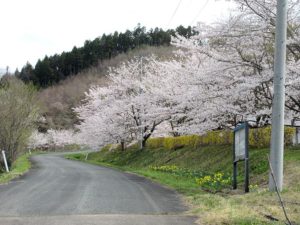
column 51, row 139
column 217, row 78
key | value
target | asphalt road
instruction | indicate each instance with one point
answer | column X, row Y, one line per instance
column 60, row 191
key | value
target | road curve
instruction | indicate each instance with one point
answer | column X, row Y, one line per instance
column 60, row 191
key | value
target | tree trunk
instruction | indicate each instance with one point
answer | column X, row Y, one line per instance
column 123, row 146
column 144, row 143
column 174, row 133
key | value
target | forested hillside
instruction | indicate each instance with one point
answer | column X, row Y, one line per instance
column 59, row 100
column 52, row 69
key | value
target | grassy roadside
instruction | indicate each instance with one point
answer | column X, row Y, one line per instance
column 179, row 168
column 21, row 166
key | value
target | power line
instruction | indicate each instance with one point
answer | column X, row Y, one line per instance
column 174, row 13
column 199, row 12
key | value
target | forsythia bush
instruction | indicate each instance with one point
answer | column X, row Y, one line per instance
column 258, row 137
column 155, row 142
column 261, row 137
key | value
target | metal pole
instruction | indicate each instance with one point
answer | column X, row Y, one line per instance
column 246, row 175
column 297, row 135
column 234, row 181
column 5, row 161
column 246, row 157
column 277, row 138
column 141, row 128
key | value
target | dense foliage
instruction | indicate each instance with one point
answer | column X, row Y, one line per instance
column 53, row 69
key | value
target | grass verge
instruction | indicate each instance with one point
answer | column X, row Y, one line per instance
column 20, row 166
column 179, row 169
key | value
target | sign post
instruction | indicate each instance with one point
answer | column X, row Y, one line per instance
column 5, row 161
column 240, row 152
column 296, row 124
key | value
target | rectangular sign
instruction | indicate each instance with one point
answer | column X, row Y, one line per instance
column 240, row 142
column 240, row 148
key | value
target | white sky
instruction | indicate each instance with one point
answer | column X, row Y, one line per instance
column 31, row 29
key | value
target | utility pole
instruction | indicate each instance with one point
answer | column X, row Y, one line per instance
column 141, row 128
column 277, row 138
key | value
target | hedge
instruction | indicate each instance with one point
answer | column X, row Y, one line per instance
column 258, row 138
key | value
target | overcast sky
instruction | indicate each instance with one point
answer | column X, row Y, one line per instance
column 31, row 29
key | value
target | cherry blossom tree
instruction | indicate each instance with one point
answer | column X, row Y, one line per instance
column 126, row 110
column 102, row 120
column 53, row 138
column 241, row 50
column 219, row 77
column 37, row 140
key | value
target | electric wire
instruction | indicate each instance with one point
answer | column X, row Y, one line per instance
column 199, row 12
column 174, row 13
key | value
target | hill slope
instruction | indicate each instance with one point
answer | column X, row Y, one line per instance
column 58, row 100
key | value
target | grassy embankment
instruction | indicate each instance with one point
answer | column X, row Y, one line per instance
column 20, row 166
column 180, row 167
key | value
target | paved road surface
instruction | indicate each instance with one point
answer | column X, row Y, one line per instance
column 60, row 191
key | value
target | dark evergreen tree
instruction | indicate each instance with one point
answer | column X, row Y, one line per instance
column 125, row 41
column 52, row 69
column 186, row 32
column 44, row 73
column 27, row 74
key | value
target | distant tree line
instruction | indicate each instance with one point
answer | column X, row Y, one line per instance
column 53, row 69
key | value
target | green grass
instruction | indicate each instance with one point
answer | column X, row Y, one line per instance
column 226, row 207
column 20, row 166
